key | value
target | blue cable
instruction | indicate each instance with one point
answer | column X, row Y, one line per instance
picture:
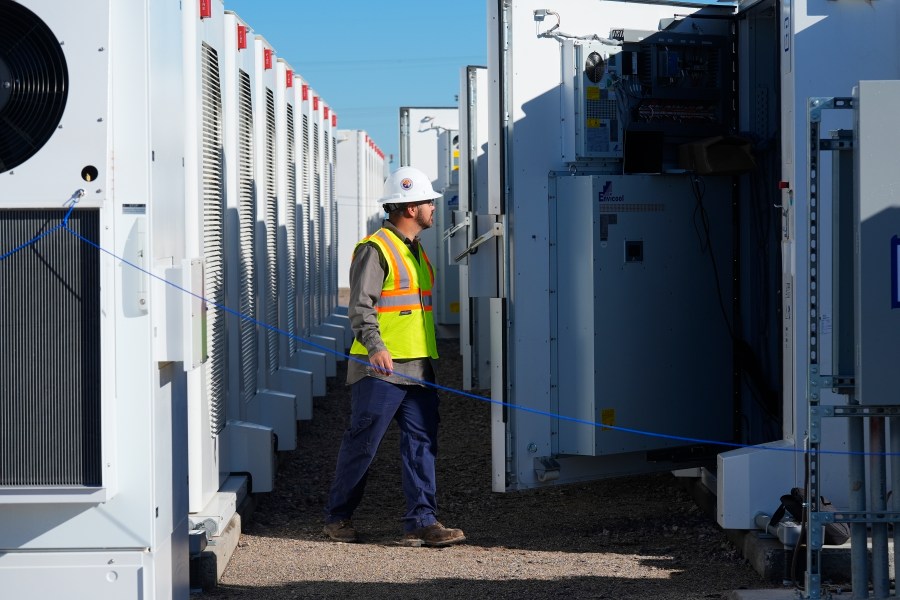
column 73, row 199
column 29, row 242
column 461, row 392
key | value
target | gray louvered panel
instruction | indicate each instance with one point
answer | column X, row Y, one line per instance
column 271, row 289
column 320, row 265
column 314, row 272
column 213, row 236
column 247, row 227
column 335, row 263
column 326, row 224
column 316, row 256
column 333, row 274
column 305, row 224
column 332, row 207
column 50, row 428
column 291, row 236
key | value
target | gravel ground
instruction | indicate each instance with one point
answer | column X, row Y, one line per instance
column 627, row 538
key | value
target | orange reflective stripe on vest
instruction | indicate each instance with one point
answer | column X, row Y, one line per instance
column 398, row 266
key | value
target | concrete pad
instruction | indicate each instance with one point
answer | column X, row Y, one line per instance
column 206, row 569
column 772, row 560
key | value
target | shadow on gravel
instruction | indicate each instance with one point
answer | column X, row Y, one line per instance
column 611, row 588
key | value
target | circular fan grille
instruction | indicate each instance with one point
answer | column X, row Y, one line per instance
column 34, row 83
column 594, row 67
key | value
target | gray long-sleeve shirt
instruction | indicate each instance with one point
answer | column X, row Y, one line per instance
column 368, row 271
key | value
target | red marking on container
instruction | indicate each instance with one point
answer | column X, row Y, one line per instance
column 242, row 37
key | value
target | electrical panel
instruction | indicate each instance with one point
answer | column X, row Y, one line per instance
column 639, row 100
column 634, row 301
column 674, row 86
column 682, row 81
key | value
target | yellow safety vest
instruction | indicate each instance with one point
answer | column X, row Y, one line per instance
column 405, row 320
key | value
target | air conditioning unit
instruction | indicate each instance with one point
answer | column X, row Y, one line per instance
column 316, row 216
column 94, row 429
column 597, row 103
column 331, row 327
column 305, row 357
column 204, row 217
column 286, row 148
column 317, row 356
column 321, row 336
column 55, row 105
column 288, row 283
column 254, row 414
column 275, row 378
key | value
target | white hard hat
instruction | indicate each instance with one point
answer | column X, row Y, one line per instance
column 407, row 184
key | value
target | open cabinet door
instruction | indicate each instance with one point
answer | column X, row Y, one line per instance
column 639, row 368
column 612, row 329
column 640, row 278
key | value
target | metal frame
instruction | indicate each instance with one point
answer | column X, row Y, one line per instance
column 858, row 515
column 815, row 518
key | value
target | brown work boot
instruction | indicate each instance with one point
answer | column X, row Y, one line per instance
column 433, row 535
column 341, row 531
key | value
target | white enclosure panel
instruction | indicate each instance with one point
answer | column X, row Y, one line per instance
column 81, row 576
column 638, row 334
column 421, row 130
column 479, row 273
column 80, row 140
column 358, row 187
column 878, row 234
column 204, row 218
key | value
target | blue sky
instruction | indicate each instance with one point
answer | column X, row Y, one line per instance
column 367, row 59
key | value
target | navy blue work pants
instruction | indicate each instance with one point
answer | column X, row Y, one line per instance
column 374, row 403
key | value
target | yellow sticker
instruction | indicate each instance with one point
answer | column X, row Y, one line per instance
column 454, row 307
column 592, row 93
column 608, row 416
column 593, row 123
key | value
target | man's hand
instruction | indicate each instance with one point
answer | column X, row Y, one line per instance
column 381, row 362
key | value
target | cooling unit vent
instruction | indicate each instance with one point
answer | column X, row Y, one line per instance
column 34, row 84
column 291, row 233
column 50, row 425
column 247, row 266
column 271, row 238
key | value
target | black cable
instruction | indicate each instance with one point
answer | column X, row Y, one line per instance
column 744, row 352
column 706, row 245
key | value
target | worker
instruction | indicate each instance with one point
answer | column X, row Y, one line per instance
column 391, row 364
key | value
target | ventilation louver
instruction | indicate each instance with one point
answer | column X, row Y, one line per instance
column 291, row 235
column 271, row 228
